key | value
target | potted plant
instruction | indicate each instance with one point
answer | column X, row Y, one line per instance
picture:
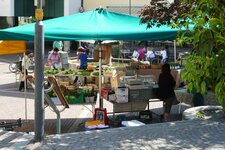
column 90, row 96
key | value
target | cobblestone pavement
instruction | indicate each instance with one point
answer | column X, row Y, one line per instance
column 14, row 140
column 188, row 134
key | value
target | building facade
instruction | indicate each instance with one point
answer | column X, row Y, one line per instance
column 52, row 8
column 131, row 7
column 26, row 8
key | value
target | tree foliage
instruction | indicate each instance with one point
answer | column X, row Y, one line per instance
column 205, row 69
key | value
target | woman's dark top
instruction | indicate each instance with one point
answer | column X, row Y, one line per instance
column 166, row 86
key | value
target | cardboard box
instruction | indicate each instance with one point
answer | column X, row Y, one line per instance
column 121, row 91
column 121, row 98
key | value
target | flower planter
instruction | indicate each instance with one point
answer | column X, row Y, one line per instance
column 203, row 113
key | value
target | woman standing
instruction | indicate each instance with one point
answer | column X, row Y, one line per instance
column 166, row 90
column 54, row 59
column 25, row 65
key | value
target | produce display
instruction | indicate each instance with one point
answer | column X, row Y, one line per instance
column 90, row 68
column 108, row 71
column 79, row 95
column 51, row 71
column 95, row 73
column 84, row 72
column 69, row 71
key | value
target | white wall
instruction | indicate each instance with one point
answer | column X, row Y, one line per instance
column 6, row 7
column 71, row 7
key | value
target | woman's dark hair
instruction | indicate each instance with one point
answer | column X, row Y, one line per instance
column 27, row 52
column 166, row 68
column 56, row 49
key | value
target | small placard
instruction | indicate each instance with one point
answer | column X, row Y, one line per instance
column 39, row 14
column 101, row 115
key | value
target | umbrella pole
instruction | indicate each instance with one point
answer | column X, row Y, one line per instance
column 100, row 75
column 25, row 84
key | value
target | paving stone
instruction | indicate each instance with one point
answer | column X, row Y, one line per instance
column 178, row 135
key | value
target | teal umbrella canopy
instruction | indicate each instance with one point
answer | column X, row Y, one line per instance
column 99, row 24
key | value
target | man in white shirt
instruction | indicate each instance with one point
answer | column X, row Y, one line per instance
column 163, row 53
column 135, row 54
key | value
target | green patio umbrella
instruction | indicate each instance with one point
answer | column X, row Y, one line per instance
column 98, row 24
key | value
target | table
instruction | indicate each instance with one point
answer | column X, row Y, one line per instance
column 133, row 105
column 156, row 72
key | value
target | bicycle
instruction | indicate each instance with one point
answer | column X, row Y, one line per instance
column 15, row 67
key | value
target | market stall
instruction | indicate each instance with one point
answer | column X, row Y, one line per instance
column 98, row 25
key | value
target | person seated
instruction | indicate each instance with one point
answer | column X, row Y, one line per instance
column 164, row 55
column 150, row 54
column 166, row 92
column 54, row 59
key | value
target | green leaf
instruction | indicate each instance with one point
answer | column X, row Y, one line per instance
column 203, row 88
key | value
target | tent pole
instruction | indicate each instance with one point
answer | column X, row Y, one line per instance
column 175, row 50
column 25, row 83
column 100, row 75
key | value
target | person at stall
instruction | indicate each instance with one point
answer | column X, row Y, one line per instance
column 164, row 54
column 150, row 55
column 135, row 54
column 166, row 92
column 141, row 53
column 82, row 57
column 54, row 59
column 24, row 69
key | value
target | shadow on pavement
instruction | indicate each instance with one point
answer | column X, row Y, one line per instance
column 17, row 94
column 67, row 125
column 78, row 124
